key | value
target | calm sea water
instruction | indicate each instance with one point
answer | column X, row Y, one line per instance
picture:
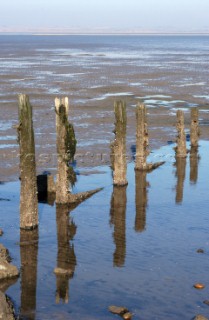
column 133, row 246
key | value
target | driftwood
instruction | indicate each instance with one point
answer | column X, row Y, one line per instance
column 66, row 147
column 142, row 141
column 118, row 147
column 28, row 194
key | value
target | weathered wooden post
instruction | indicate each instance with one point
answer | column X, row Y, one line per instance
column 29, row 262
column 118, row 219
column 180, row 149
column 66, row 147
column 180, row 173
column 28, row 194
column 119, row 146
column 140, row 200
column 141, row 138
column 66, row 258
column 142, row 141
column 194, row 127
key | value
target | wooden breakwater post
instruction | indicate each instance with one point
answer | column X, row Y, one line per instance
column 66, row 145
column 142, row 141
column 194, row 137
column 66, row 148
column 194, row 127
column 181, row 150
column 118, row 147
column 28, row 193
column 118, row 219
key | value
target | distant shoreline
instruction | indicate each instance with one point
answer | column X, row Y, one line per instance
column 100, row 34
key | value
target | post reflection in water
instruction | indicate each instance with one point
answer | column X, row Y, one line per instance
column 194, row 159
column 29, row 256
column 66, row 258
column 180, row 174
column 141, row 200
column 118, row 219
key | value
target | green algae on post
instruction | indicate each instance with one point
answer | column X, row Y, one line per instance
column 66, row 147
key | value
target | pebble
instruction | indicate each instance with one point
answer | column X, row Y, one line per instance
column 206, row 302
column 118, row 310
column 1, row 232
column 200, row 317
column 199, row 286
column 200, row 251
column 127, row 316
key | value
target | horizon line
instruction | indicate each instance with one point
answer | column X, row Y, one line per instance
column 99, row 33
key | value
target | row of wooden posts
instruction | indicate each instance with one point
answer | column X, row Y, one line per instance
column 118, row 146
column 66, row 148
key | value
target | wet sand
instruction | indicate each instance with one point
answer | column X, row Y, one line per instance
column 93, row 74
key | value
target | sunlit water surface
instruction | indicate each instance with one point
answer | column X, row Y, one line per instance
column 133, row 246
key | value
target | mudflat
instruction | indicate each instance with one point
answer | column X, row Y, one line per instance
column 165, row 73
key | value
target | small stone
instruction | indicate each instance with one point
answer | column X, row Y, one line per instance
column 206, row 302
column 118, row 310
column 199, row 286
column 6, row 308
column 1, row 232
column 200, row 251
column 127, row 316
column 200, row 317
column 7, row 270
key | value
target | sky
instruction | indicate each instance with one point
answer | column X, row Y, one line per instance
column 104, row 15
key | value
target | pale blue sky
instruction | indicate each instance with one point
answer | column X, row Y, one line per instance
column 163, row 15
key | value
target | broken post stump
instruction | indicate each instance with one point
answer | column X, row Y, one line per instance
column 66, row 148
column 142, row 141
column 118, row 147
column 28, row 194
column 194, row 127
column 180, row 149
column 46, row 188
